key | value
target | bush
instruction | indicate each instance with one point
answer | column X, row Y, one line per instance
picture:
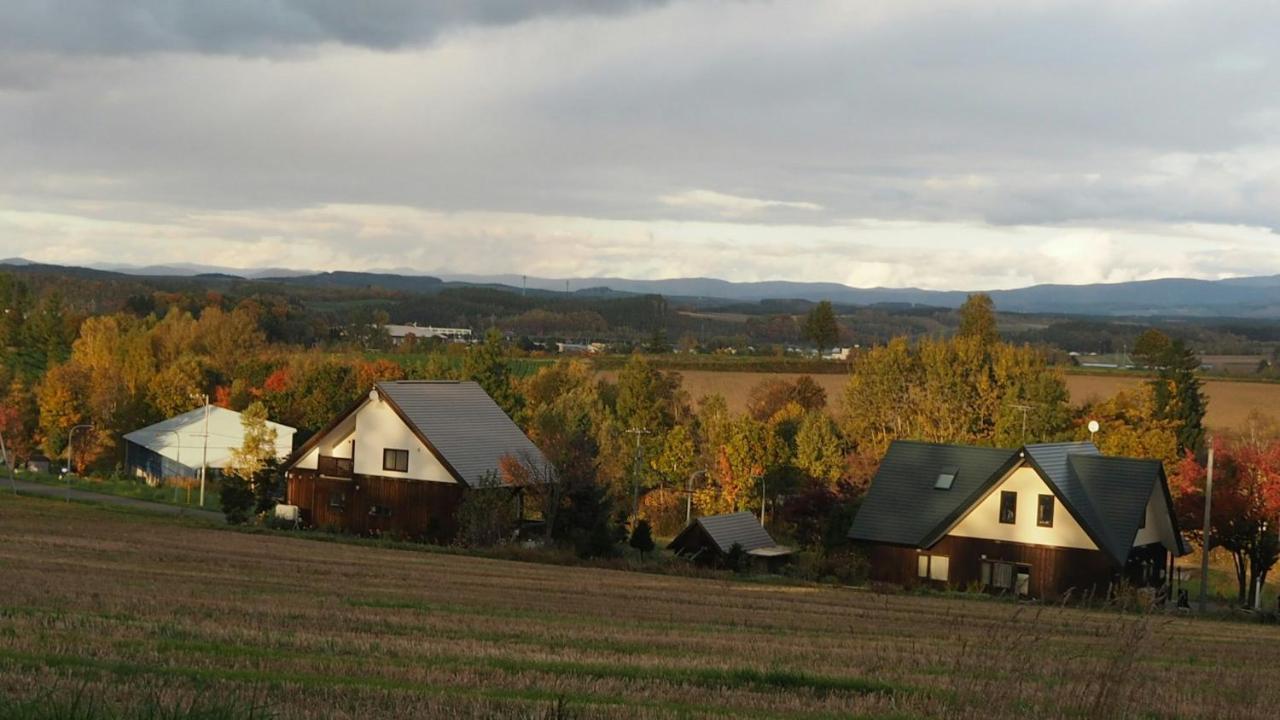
column 737, row 559
column 486, row 516
column 237, row 500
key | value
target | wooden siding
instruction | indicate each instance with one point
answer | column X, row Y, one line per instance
column 1055, row 572
column 419, row 509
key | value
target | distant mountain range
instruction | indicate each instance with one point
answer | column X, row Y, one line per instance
column 1250, row 297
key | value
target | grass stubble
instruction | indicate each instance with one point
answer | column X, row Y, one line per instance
column 113, row 615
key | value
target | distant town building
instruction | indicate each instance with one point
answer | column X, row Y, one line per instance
column 422, row 332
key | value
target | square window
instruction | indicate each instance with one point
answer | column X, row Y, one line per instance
column 922, row 566
column 395, row 460
column 1044, row 511
column 1008, row 507
column 337, row 499
column 946, row 478
column 939, row 567
column 379, row 511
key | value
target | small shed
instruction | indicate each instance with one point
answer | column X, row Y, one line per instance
column 709, row 539
column 39, row 464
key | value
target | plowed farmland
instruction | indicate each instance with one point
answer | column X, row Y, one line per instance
column 119, row 614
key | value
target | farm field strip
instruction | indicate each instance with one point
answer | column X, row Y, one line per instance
column 119, row 605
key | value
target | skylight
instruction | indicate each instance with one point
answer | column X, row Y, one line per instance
column 946, row 477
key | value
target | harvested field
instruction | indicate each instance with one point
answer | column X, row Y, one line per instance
column 1229, row 402
column 118, row 609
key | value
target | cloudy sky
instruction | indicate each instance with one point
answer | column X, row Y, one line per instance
column 983, row 144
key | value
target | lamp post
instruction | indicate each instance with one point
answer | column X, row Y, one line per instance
column 71, row 436
column 762, row 498
column 635, row 474
column 688, row 494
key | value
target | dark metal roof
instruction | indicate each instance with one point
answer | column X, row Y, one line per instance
column 1107, row 495
column 742, row 528
column 462, row 424
column 903, row 507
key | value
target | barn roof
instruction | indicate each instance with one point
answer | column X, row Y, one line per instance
column 462, row 425
column 1107, row 495
column 725, row 531
column 181, row 438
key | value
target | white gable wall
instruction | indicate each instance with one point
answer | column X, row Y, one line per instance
column 983, row 520
column 1159, row 526
column 375, row 427
column 379, row 427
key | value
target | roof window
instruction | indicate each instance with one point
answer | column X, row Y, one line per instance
column 946, row 477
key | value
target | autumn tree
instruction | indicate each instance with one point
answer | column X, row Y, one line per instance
column 819, row 451
column 1129, row 427
column 1151, row 349
column 487, row 365
column 174, row 389
column 769, row 396
column 258, row 447
column 978, row 319
column 1245, row 507
column 820, row 326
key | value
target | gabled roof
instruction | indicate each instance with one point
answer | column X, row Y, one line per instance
column 902, row 507
column 462, row 425
column 181, row 438
column 1107, row 495
column 457, row 421
column 741, row 528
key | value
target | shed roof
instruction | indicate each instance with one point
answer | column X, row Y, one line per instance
column 740, row 528
column 462, row 424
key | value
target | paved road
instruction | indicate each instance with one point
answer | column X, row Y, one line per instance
column 30, row 488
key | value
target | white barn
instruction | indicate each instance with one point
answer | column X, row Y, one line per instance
column 176, row 447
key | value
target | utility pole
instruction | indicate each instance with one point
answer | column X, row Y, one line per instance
column 1024, row 408
column 204, row 457
column 635, row 474
column 688, row 495
column 13, row 481
column 1204, row 550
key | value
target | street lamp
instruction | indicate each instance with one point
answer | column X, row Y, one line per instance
column 71, row 436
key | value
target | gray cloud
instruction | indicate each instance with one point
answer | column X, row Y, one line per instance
column 131, row 27
column 767, row 114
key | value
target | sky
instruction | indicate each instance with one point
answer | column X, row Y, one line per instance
column 976, row 145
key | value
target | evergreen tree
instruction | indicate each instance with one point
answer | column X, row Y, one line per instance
column 642, row 537
column 236, row 499
column 820, row 326
column 1179, row 395
column 978, row 319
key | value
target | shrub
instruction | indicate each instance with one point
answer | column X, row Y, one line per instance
column 486, row 516
column 237, row 499
column 737, row 559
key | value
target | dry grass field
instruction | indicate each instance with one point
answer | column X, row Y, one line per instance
column 1230, row 402
column 102, row 609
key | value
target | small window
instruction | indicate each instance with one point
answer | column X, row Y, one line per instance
column 946, row 477
column 337, row 500
column 1008, row 507
column 1142, row 523
column 922, row 566
column 1044, row 511
column 381, row 511
column 939, row 567
column 395, row 460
